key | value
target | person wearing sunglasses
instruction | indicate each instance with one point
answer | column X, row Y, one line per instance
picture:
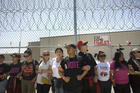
column 103, row 70
column 4, row 69
column 29, row 72
column 134, row 69
column 44, row 73
column 14, row 85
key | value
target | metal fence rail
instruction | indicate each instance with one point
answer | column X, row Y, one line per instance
column 24, row 21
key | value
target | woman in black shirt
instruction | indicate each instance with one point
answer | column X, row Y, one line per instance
column 14, row 85
column 29, row 72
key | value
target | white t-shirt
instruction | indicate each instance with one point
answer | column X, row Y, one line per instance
column 43, row 66
column 97, row 61
column 55, row 66
column 103, row 69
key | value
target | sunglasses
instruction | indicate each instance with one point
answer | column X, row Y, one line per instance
column 102, row 56
column 46, row 55
column 26, row 56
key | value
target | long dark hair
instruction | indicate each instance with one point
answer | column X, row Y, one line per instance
column 28, row 51
column 132, row 56
column 117, row 55
column 59, row 49
column 18, row 57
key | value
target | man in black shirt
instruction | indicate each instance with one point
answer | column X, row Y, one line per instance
column 90, row 79
column 72, row 71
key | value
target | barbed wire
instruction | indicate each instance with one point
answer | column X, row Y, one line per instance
column 42, row 15
column 23, row 21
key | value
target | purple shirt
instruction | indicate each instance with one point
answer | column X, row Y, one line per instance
column 120, row 74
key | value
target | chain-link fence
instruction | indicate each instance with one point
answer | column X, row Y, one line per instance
column 26, row 23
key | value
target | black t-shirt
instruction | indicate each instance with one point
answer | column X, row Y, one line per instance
column 87, row 59
column 134, row 78
column 15, row 69
column 72, row 68
column 29, row 69
column 4, row 68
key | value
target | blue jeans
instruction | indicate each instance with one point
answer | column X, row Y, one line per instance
column 59, row 89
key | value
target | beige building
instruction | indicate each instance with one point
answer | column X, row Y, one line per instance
column 35, row 49
column 114, row 39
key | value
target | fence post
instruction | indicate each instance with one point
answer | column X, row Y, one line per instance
column 75, row 23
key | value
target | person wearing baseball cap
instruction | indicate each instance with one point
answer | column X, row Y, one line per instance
column 103, row 71
column 134, row 69
column 80, row 44
column 71, row 71
column 16, row 55
column 4, row 69
column 70, row 46
column 87, row 61
column 15, row 69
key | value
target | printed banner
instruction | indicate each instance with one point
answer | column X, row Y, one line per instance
column 101, row 40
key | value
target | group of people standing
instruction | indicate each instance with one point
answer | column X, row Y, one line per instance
column 76, row 73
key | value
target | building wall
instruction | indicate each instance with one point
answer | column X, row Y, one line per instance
column 116, row 38
column 53, row 42
column 35, row 47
